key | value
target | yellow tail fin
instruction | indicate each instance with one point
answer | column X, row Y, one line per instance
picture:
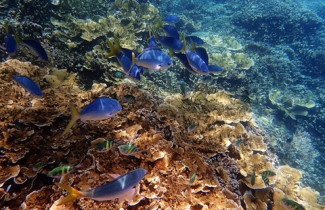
column 74, row 117
column 73, row 194
column 133, row 61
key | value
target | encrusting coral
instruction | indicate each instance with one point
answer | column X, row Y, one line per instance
column 158, row 127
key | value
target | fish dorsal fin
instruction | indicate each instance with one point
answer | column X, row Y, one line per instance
column 114, row 176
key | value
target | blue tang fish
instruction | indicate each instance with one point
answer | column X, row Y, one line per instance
column 122, row 188
column 153, row 59
column 28, row 85
column 173, row 19
column 196, row 62
column 124, row 57
column 171, row 42
column 100, row 109
column 171, row 31
column 11, row 45
column 195, row 39
column 37, row 48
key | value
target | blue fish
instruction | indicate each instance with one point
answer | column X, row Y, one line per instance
column 37, row 48
column 172, row 19
column 122, row 188
column 29, row 85
column 153, row 59
column 196, row 62
column 171, row 42
column 152, row 41
column 203, row 54
column 195, row 39
column 171, row 31
column 183, row 59
column 11, row 45
column 100, row 109
column 124, row 57
column 215, row 69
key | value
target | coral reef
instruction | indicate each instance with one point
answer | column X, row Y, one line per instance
column 168, row 151
column 292, row 103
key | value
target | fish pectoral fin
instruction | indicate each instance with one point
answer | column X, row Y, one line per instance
column 74, row 117
column 128, row 196
column 73, row 194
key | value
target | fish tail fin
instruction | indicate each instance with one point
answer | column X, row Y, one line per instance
column 74, row 117
column 133, row 62
column 73, row 194
column 159, row 23
column 183, row 38
column 171, row 52
column 17, row 39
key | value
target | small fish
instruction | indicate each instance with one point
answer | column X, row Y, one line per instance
column 197, row 63
column 268, row 173
column 253, row 177
column 118, row 74
column 39, row 165
column 11, row 45
column 100, row 109
column 172, row 19
column 130, row 98
column 192, row 179
column 290, row 139
column 60, row 171
column 238, row 142
column 191, row 127
column 195, row 39
column 121, row 188
column 29, row 85
column 171, row 31
column 105, row 145
column 292, row 204
column 128, row 149
column 182, row 85
column 153, row 59
column 266, row 180
column 8, row 188
column 37, row 48
column 172, row 43
column 246, row 99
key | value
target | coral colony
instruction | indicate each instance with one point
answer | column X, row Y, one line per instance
column 135, row 108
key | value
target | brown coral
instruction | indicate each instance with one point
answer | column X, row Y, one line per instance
column 158, row 127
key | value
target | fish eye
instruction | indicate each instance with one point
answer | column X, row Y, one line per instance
column 159, row 65
column 169, row 64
